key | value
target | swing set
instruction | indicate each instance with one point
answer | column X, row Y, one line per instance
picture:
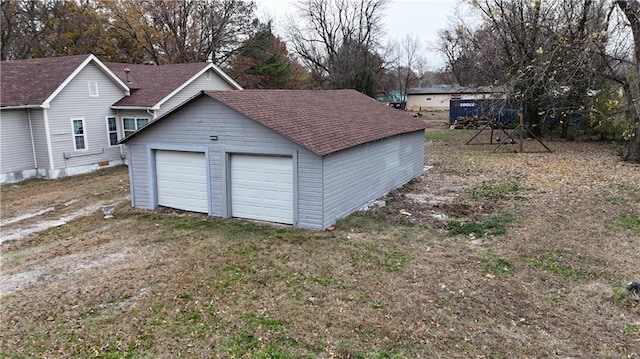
column 510, row 134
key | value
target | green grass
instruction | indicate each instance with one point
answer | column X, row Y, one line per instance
column 497, row 265
column 494, row 226
column 509, row 188
column 553, row 262
column 631, row 329
column 367, row 254
column 630, row 191
column 442, row 135
column 630, row 222
column 373, row 221
column 455, row 137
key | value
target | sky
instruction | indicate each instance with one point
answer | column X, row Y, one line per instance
column 420, row 18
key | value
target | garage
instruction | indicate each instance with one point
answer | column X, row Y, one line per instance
column 305, row 158
column 262, row 188
column 182, row 180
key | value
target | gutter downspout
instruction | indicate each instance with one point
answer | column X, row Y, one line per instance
column 48, row 136
column 33, row 144
column 119, row 121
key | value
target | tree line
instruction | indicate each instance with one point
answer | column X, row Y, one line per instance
column 561, row 60
column 337, row 44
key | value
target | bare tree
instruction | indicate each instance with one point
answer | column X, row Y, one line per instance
column 626, row 70
column 540, row 51
column 338, row 40
column 411, row 58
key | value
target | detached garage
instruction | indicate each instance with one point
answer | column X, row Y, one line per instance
column 300, row 157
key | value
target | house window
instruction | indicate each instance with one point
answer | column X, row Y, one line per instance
column 112, row 130
column 79, row 136
column 93, row 89
column 132, row 124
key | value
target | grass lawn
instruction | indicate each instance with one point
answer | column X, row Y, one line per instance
column 495, row 255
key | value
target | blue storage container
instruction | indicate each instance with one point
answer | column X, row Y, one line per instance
column 497, row 109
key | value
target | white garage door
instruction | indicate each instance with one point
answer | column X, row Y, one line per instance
column 262, row 188
column 182, row 180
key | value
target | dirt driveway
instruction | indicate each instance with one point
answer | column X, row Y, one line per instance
column 30, row 208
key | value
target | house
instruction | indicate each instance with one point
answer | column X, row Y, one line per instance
column 65, row 115
column 437, row 98
column 300, row 157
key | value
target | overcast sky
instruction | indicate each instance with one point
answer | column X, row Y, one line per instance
column 422, row 18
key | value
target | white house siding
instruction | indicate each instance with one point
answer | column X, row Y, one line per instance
column 204, row 82
column 16, row 151
column 74, row 102
column 193, row 126
column 355, row 176
column 433, row 102
column 441, row 102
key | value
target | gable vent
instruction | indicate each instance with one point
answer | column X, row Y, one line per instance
column 93, row 89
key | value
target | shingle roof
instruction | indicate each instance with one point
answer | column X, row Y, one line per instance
column 149, row 84
column 323, row 121
column 31, row 82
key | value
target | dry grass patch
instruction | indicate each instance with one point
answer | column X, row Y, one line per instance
column 384, row 284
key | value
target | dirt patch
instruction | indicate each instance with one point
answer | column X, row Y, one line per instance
column 34, row 206
column 59, row 268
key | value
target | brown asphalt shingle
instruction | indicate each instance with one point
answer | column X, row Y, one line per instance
column 31, row 82
column 323, row 121
column 151, row 83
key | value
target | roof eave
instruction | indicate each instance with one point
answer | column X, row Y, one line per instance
column 141, row 108
column 21, row 107
column 208, row 67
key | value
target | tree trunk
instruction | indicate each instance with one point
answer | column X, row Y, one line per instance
column 631, row 10
column 564, row 133
column 633, row 152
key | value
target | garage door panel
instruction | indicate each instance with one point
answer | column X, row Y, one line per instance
column 262, row 188
column 181, row 179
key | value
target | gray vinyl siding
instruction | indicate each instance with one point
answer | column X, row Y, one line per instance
column 205, row 117
column 199, row 84
column 355, row 176
column 139, row 176
column 74, row 102
column 16, row 151
column 40, row 139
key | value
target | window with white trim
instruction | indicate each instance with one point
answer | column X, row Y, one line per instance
column 79, row 135
column 112, row 131
column 132, row 124
column 93, row 89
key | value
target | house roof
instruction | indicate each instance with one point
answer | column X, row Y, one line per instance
column 34, row 82
column 449, row 89
column 324, row 121
column 151, row 85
